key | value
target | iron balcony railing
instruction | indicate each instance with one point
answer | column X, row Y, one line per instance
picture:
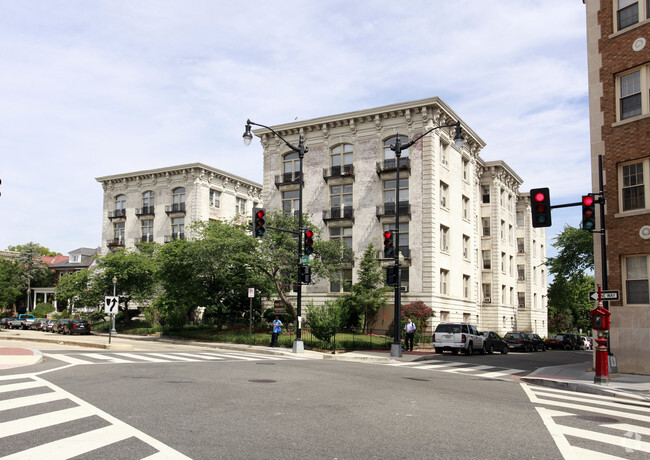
column 117, row 214
column 390, row 165
column 144, row 211
column 338, row 171
column 338, row 213
column 388, row 209
column 174, row 236
column 287, row 178
column 175, row 208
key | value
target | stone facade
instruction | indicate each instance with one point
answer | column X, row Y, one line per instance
column 159, row 205
column 349, row 192
column 619, row 112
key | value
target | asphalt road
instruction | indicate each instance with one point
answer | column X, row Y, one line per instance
column 314, row 409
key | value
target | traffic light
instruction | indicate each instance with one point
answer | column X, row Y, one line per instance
column 309, row 242
column 588, row 213
column 540, row 207
column 391, row 275
column 389, row 249
column 259, row 223
column 305, row 274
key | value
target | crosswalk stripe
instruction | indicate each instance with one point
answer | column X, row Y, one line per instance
column 29, row 400
column 18, row 386
column 105, row 357
column 143, row 357
column 174, row 357
column 440, row 365
column 502, row 373
column 66, row 358
column 601, row 437
column 470, row 369
column 199, row 356
column 642, row 430
column 233, row 356
column 600, row 400
column 36, row 422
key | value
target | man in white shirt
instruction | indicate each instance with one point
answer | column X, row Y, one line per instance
column 410, row 333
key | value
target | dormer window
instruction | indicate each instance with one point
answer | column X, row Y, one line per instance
column 75, row 258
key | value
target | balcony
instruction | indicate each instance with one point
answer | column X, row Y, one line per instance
column 338, row 214
column 388, row 209
column 338, row 171
column 117, row 214
column 115, row 243
column 287, row 178
column 174, row 236
column 176, row 208
column 391, row 165
column 144, row 211
column 144, row 239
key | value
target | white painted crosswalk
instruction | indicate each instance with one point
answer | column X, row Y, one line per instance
column 477, row 370
column 593, row 426
column 17, row 392
column 159, row 357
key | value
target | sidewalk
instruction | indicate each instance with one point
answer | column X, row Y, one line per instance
column 572, row 377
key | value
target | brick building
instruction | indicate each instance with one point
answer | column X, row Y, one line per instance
column 619, row 106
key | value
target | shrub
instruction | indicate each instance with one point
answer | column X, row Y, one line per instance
column 325, row 320
column 42, row 309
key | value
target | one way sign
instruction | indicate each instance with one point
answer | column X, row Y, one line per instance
column 605, row 295
column 111, row 304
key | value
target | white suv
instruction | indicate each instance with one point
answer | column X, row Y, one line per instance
column 457, row 337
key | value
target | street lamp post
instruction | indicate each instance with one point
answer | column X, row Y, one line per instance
column 398, row 148
column 301, row 149
column 113, row 331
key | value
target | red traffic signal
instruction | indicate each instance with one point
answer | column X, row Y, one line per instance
column 389, row 249
column 540, row 207
column 259, row 223
column 309, row 242
column 588, row 213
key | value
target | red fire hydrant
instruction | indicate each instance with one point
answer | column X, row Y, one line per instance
column 600, row 323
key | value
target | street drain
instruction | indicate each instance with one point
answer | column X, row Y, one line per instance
column 598, row 419
column 262, row 381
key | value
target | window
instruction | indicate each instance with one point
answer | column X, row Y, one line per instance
column 291, row 167
column 178, row 228
column 120, row 205
column 342, row 159
column 343, row 233
column 148, row 202
column 215, row 198
column 290, row 201
column 343, row 283
column 503, row 262
column 485, row 221
column 520, row 245
column 635, row 272
column 444, row 195
column 633, row 189
column 503, row 230
column 487, row 260
column 390, row 195
column 512, row 265
column 178, row 199
column 118, row 233
column 521, row 273
column 465, row 208
column 520, row 218
column 444, row 238
column 466, row 244
column 147, row 231
column 389, row 154
column 630, row 12
column 630, row 95
column 465, row 169
column 486, row 195
column 521, row 299
column 444, row 280
column 487, row 292
column 444, row 151
column 341, row 201
column 240, row 205
column 466, row 286
column 504, row 294
column 511, row 234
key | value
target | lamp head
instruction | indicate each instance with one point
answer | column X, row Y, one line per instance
column 459, row 140
column 248, row 136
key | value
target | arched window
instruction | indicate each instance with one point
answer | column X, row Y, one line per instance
column 290, row 167
column 342, row 159
column 178, row 199
column 120, row 205
column 148, row 200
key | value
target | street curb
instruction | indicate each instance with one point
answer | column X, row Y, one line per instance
column 583, row 387
column 13, row 361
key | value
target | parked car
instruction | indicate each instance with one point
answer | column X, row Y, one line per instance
column 22, row 321
column 38, row 324
column 518, row 341
column 494, row 342
column 457, row 337
column 76, row 326
column 576, row 340
column 5, row 322
column 538, row 342
column 58, row 327
column 50, row 324
column 559, row 342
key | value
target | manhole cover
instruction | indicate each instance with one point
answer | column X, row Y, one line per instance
column 597, row 418
column 262, row 381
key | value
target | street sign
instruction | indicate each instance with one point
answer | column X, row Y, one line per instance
column 111, row 304
column 251, row 293
column 304, row 260
column 605, row 295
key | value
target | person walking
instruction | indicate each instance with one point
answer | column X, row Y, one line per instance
column 277, row 328
column 410, row 333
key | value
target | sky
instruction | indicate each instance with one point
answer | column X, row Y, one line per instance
column 91, row 89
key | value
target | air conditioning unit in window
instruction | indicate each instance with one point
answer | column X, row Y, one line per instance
column 487, row 300
column 404, row 289
column 522, row 306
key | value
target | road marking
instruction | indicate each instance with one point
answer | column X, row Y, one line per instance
column 66, row 358
column 106, row 357
column 18, row 386
column 36, row 422
column 29, row 400
column 143, row 357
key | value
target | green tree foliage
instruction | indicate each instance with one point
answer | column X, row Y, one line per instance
column 324, row 320
column 42, row 309
column 276, row 255
column 368, row 294
column 78, row 289
column 419, row 312
column 568, row 294
column 12, row 283
column 41, row 250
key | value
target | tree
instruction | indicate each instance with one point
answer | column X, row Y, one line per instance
column 368, row 294
column 41, row 250
column 324, row 320
column 12, row 283
column 79, row 289
column 36, row 274
column 276, row 255
column 568, row 294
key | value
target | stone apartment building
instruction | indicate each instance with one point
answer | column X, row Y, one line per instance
column 159, row 205
column 469, row 248
column 619, row 110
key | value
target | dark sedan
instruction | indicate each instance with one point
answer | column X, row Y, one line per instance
column 494, row 342
column 518, row 341
column 76, row 326
column 538, row 342
column 559, row 342
column 58, row 326
column 38, row 324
